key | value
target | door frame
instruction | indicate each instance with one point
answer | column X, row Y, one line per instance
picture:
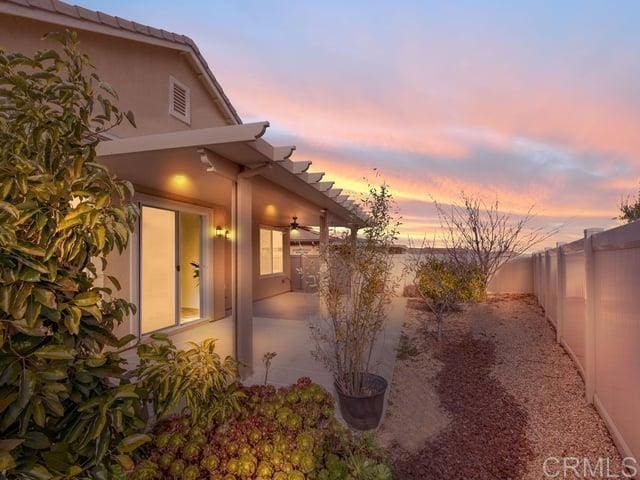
column 206, row 260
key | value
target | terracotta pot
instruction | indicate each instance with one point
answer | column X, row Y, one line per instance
column 363, row 412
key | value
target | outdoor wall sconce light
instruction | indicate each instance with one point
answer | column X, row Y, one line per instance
column 226, row 234
column 220, row 232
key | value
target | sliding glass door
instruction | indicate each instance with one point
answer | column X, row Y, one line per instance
column 170, row 265
column 190, row 235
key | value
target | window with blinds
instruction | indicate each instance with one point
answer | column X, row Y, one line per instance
column 271, row 251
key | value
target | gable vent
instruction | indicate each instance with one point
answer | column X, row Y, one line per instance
column 179, row 101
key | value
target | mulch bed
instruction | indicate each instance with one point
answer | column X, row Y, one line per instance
column 487, row 436
column 494, row 400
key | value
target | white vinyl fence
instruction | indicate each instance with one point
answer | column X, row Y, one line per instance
column 590, row 291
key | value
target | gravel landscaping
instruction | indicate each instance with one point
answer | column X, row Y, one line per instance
column 493, row 400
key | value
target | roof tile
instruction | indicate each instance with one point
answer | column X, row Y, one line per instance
column 88, row 14
column 125, row 24
column 65, row 9
column 167, row 35
column 108, row 19
column 141, row 28
column 156, row 32
column 24, row 3
column 189, row 41
column 183, row 39
column 42, row 4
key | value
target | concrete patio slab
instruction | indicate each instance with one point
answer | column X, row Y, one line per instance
column 287, row 333
column 290, row 306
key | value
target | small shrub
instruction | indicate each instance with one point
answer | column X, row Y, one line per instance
column 267, row 358
column 197, row 376
column 285, row 434
column 444, row 283
column 406, row 348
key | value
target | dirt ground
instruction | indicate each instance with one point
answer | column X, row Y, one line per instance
column 495, row 399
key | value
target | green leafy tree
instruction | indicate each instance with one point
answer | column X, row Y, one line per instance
column 442, row 283
column 629, row 211
column 65, row 409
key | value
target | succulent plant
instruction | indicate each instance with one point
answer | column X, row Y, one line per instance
column 176, row 468
column 190, row 451
column 233, row 466
column 192, row 472
column 165, row 461
column 162, row 440
column 288, row 434
column 210, row 463
column 175, row 442
column 146, row 470
column 296, row 475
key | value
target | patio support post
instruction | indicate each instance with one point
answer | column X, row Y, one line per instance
column 243, row 297
column 354, row 236
column 562, row 288
column 324, row 229
column 590, row 314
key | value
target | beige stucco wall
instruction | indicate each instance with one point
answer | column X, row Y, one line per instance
column 221, row 265
column 138, row 72
column 274, row 206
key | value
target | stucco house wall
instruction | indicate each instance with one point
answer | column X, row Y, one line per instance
column 138, row 72
column 211, row 166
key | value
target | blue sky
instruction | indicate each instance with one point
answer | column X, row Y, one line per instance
column 535, row 102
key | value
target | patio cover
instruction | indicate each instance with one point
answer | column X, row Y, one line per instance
column 244, row 146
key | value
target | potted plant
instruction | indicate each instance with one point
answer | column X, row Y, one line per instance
column 355, row 285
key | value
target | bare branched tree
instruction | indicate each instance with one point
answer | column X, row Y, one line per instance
column 481, row 232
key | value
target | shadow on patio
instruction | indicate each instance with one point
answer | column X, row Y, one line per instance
column 281, row 325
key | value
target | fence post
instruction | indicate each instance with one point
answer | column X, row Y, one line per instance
column 547, row 282
column 536, row 278
column 533, row 271
column 590, row 314
column 561, row 289
column 539, row 275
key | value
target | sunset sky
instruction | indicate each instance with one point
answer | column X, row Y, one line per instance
column 535, row 102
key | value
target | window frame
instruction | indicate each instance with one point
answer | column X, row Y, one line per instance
column 271, row 229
